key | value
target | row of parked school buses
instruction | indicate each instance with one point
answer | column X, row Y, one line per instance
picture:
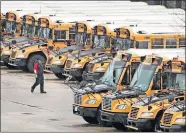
column 128, row 79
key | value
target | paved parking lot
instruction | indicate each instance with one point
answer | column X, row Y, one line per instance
column 23, row 111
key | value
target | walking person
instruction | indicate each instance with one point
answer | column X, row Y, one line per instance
column 39, row 75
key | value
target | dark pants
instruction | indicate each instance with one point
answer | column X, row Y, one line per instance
column 39, row 80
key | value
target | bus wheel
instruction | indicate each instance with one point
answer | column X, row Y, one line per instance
column 9, row 66
column 119, row 126
column 32, row 59
column 59, row 75
column 90, row 120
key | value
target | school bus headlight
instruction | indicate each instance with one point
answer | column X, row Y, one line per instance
column 180, row 121
column 122, row 107
column 147, row 114
column 77, row 65
column 21, row 55
column 100, row 69
column 91, row 101
column 58, row 62
column 7, row 52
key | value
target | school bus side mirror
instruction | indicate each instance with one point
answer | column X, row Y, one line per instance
column 14, row 42
column 93, row 54
column 50, row 48
column 184, row 113
column 142, row 58
column 164, row 86
column 70, row 50
column 171, row 99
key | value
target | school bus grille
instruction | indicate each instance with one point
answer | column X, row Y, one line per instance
column 106, row 103
column 167, row 118
column 68, row 63
column 13, row 54
column 134, row 112
column 77, row 99
column 90, row 67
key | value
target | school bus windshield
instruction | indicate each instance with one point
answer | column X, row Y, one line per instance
column 101, row 41
column 122, row 44
column 113, row 72
column 45, row 33
column 175, row 81
column 29, row 29
column 82, row 39
column 141, row 82
column 10, row 26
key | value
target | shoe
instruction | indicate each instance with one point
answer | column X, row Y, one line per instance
column 32, row 90
column 43, row 92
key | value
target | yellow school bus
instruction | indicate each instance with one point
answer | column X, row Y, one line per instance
column 29, row 31
column 25, row 57
column 127, row 38
column 151, row 40
column 12, row 25
column 116, row 78
column 116, row 106
column 146, row 113
column 173, row 119
column 102, row 43
column 82, row 41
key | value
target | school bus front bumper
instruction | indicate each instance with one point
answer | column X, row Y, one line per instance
column 140, row 124
column 114, row 117
column 173, row 128
column 85, row 111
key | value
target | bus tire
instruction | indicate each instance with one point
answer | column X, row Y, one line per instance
column 119, row 126
column 90, row 120
column 32, row 59
column 59, row 75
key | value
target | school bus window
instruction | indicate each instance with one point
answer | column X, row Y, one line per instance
column 101, row 41
column 157, row 43
column 181, row 42
column 60, row 35
column 10, row 26
column 171, row 43
column 45, row 33
column 157, row 81
column 142, row 44
column 126, row 78
column 139, row 81
column 82, row 38
column 28, row 29
column 122, row 44
column 175, row 81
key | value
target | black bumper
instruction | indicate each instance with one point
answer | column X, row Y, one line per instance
column 173, row 128
column 5, row 58
column 18, row 62
column 93, row 76
column 57, row 68
column 114, row 117
column 82, row 111
column 140, row 124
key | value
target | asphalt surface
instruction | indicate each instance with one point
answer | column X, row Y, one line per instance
column 22, row 111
